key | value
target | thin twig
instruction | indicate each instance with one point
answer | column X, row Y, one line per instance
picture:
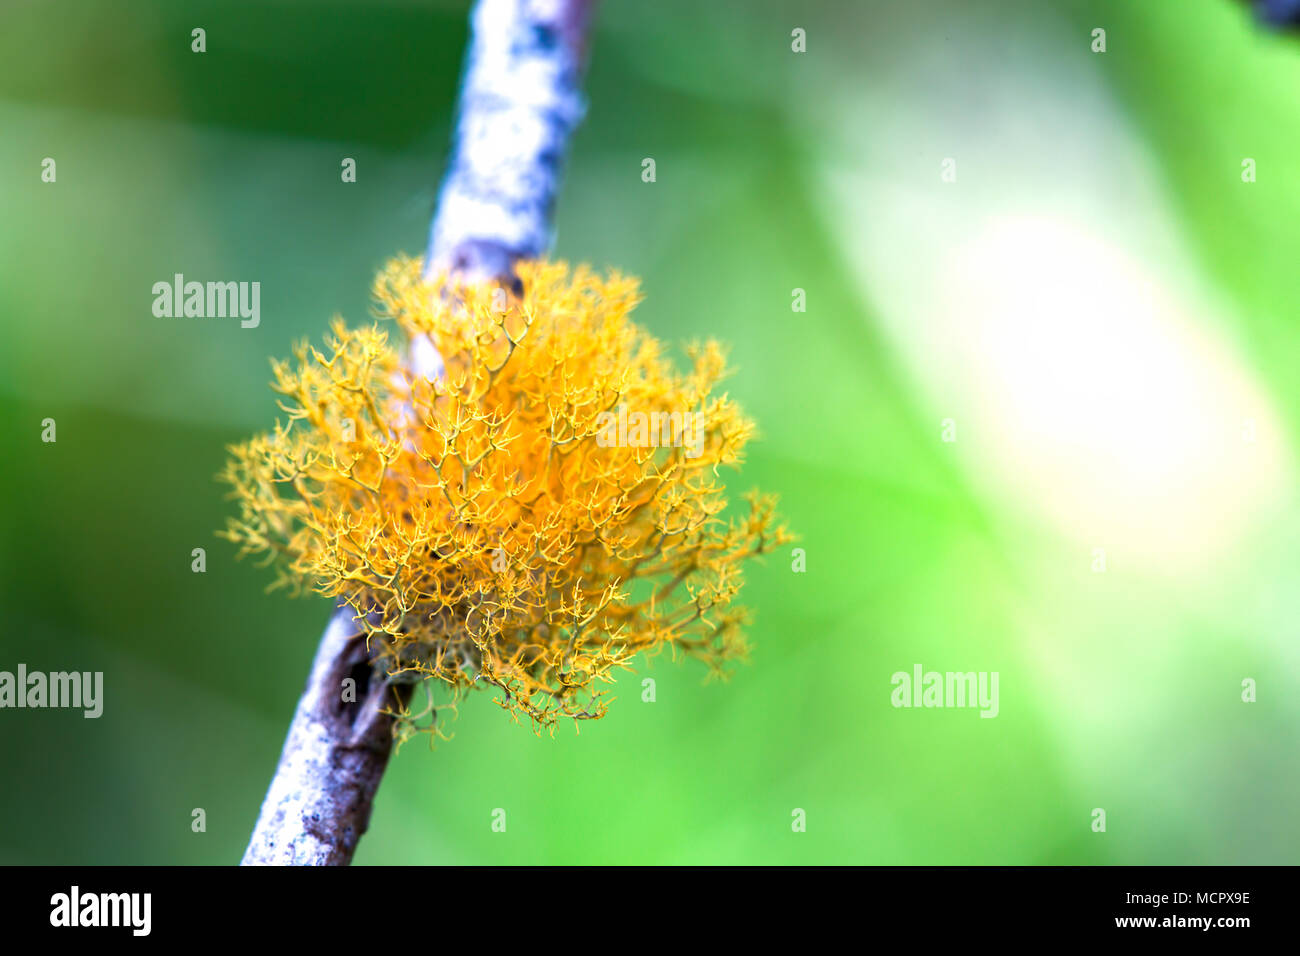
column 520, row 101
column 319, row 802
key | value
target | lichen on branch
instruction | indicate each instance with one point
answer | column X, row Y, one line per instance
column 490, row 527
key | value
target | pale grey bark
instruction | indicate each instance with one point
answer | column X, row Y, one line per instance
column 520, row 101
column 319, row 802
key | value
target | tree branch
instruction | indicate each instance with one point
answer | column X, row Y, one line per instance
column 520, row 101
column 319, row 802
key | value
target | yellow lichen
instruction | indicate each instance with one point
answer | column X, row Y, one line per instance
column 502, row 525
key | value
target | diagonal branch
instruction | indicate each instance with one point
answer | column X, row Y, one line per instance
column 318, row 804
column 520, row 101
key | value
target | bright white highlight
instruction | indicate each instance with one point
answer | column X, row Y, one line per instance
column 1046, row 302
column 1094, row 394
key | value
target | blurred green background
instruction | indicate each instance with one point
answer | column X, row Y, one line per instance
column 1100, row 305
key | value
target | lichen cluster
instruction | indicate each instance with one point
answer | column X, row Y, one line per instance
column 477, row 524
